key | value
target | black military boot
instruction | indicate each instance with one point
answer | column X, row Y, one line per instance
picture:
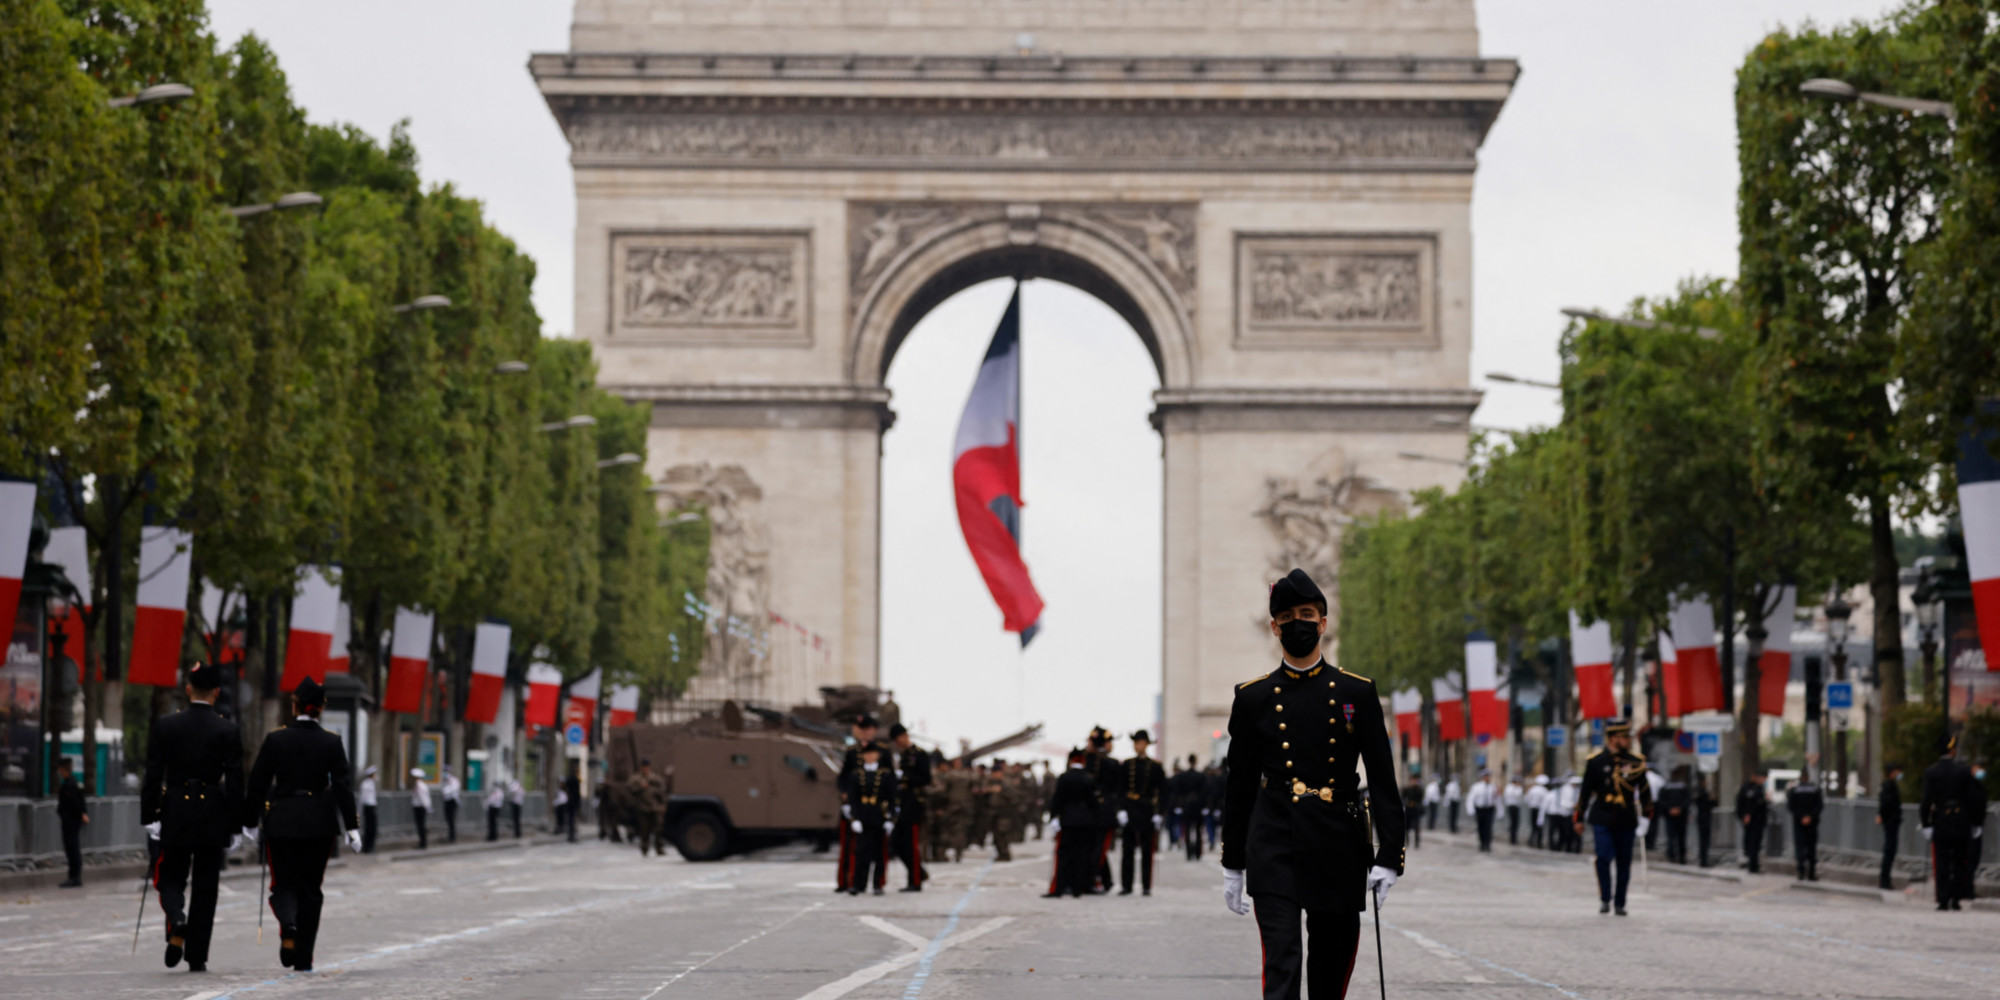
column 176, row 945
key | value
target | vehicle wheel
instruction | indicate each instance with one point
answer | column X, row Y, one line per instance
column 702, row 837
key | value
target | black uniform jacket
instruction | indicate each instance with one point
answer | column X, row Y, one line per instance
column 298, row 787
column 194, row 778
column 1103, row 770
column 70, row 807
column 1141, row 781
column 1805, row 799
column 1293, row 816
column 1889, row 807
column 1949, row 796
column 1751, row 804
column 872, row 796
column 1615, row 790
column 1186, row 787
column 913, row 781
column 1074, row 800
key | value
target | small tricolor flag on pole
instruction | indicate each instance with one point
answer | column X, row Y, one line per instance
column 409, row 661
column 583, row 695
column 624, row 705
column 1696, row 670
column 69, row 548
column 165, row 555
column 1590, row 651
column 343, row 632
column 315, row 617
column 1408, row 705
column 544, row 689
column 1482, row 680
column 1774, row 667
column 17, row 523
column 1979, row 512
column 986, row 477
column 1447, row 695
column 489, row 672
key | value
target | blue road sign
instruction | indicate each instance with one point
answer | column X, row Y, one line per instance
column 574, row 734
column 1840, row 695
column 1557, row 736
column 1708, row 744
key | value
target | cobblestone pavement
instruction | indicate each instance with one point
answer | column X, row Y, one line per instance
column 597, row 922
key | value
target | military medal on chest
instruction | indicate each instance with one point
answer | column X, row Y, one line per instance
column 1348, row 710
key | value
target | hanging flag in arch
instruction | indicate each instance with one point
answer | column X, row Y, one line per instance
column 1590, row 651
column 489, row 672
column 1697, row 669
column 17, row 523
column 309, row 642
column 1979, row 513
column 165, row 555
column 624, row 705
column 1775, row 666
column 1447, row 694
column 986, row 477
column 409, row 661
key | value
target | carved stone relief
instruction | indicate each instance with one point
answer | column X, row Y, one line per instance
column 739, row 575
column 1164, row 233
column 737, row 288
column 1336, row 291
column 1308, row 516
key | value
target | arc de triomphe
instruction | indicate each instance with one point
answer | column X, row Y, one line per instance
column 1274, row 193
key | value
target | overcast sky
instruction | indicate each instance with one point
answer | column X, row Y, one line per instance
column 1611, row 174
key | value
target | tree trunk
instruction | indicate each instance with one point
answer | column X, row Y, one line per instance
column 1628, row 633
column 1747, row 734
column 1883, row 588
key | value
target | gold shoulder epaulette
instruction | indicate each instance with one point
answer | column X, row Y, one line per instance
column 1599, row 752
column 1251, row 681
column 1354, row 675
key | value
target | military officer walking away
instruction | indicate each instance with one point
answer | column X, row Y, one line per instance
column 1946, row 818
column 1673, row 806
column 420, row 807
column 1805, row 802
column 1140, row 784
column 368, row 796
column 1615, row 794
column 1704, row 818
column 1104, row 770
column 496, row 799
column 913, row 783
column 1413, row 811
column 299, row 789
column 1753, row 812
column 648, row 800
column 1187, row 789
column 1889, row 816
column 449, row 790
column 73, row 813
column 870, row 812
column 1072, row 806
column 1481, row 801
column 1294, row 822
column 191, row 803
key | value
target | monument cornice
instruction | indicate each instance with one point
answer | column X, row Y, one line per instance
column 1330, row 409
column 763, row 406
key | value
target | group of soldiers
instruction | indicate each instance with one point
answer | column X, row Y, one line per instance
column 635, row 810
column 970, row 805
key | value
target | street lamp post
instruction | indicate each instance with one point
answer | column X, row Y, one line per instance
column 1928, row 603
column 1418, row 456
column 1838, row 611
column 297, row 199
column 1846, row 93
column 1518, row 380
column 155, row 94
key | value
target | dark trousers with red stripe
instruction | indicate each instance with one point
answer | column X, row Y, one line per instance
column 871, row 859
column 1336, row 937
column 298, row 867
column 908, row 843
column 191, row 913
column 846, row 863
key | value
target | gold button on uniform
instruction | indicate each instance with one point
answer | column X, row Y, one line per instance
column 1281, row 708
column 1288, row 763
column 1281, row 725
column 1284, row 746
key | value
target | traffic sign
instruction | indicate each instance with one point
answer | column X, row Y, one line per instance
column 1840, row 695
column 1556, row 736
column 1708, row 744
column 1842, row 718
column 574, row 734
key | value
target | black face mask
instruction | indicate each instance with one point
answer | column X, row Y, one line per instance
column 1299, row 637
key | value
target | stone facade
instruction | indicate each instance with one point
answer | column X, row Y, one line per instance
column 1274, row 193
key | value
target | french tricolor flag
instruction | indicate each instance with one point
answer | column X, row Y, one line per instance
column 69, row 548
column 1482, row 679
column 343, row 631
column 1447, row 695
column 1979, row 512
column 1695, row 673
column 1774, row 667
column 315, row 620
column 986, row 477
column 583, row 695
column 624, row 705
column 1407, row 706
column 544, row 689
column 409, row 662
column 489, row 672
column 165, row 555
column 17, row 523
column 1590, row 651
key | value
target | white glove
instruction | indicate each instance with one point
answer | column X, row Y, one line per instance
column 889, row 826
column 846, row 812
column 1927, row 832
column 354, row 841
column 1978, row 832
column 235, row 841
column 1380, row 881
column 153, row 830
column 1156, row 820
column 854, row 825
column 1121, row 817
column 249, row 834
column 1644, row 823
column 1055, row 825
column 1232, row 891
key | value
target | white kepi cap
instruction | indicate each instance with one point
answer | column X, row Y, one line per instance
column 416, row 772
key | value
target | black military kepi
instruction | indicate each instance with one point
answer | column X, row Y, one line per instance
column 1618, row 727
column 1295, row 589
column 309, row 693
column 205, row 676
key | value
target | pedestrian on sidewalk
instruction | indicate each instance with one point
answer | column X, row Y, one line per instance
column 1481, row 801
column 1433, row 797
column 1537, row 801
column 448, row 789
column 1704, row 817
column 1614, row 797
column 73, row 813
column 1673, row 805
column 420, row 807
column 517, row 797
column 1512, row 798
column 1806, row 803
column 1753, row 811
column 1453, row 798
column 573, row 801
column 368, row 794
column 298, row 788
column 496, row 797
column 1413, row 811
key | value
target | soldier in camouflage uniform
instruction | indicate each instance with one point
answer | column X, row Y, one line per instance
column 646, row 803
column 958, row 832
column 980, row 794
column 1000, row 810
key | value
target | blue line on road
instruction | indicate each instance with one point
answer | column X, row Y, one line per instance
column 923, row 975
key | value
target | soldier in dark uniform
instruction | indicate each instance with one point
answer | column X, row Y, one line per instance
column 1615, row 794
column 1753, row 811
column 1073, row 803
column 1294, row 821
column 870, row 812
column 73, row 812
column 1673, row 806
column 913, row 782
column 1947, row 820
column 1103, row 770
column 191, row 802
column 1704, row 817
column 1889, row 816
column 299, row 789
column 1140, row 783
column 1413, row 811
column 863, row 731
column 1805, row 802
column 1187, row 787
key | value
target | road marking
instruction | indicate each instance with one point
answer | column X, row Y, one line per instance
column 911, row 938
column 677, row 977
column 862, row 977
column 1830, row 939
column 923, row 973
column 715, row 885
column 422, row 891
column 1459, row 953
column 206, row 995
